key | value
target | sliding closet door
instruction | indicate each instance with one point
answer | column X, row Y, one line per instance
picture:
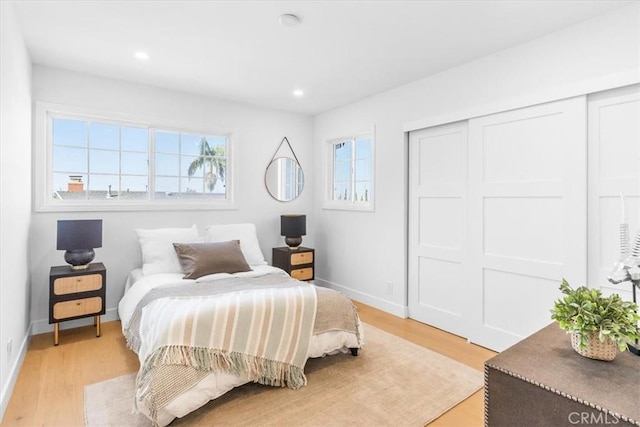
column 437, row 227
column 527, row 216
column 614, row 168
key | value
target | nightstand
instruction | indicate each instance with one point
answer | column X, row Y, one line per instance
column 74, row 294
column 299, row 263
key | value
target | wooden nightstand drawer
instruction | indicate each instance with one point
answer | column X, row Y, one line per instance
column 75, row 284
column 77, row 307
column 301, row 258
column 302, row 273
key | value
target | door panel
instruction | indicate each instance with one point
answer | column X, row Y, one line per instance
column 614, row 169
column 437, row 230
column 527, row 216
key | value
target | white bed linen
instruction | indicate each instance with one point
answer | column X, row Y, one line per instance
column 216, row 384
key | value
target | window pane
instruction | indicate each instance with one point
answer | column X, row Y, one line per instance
column 167, row 164
column 218, row 144
column 363, row 148
column 133, row 187
column 362, row 192
column 103, row 161
column 69, row 159
column 342, row 171
column 134, row 139
column 167, row 142
column 102, row 185
column 199, row 188
column 342, row 151
column 187, row 161
column 193, row 185
column 69, row 132
column 64, row 183
column 104, row 136
column 191, row 144
column 166, row 185
column 134, row 163
column 363, row 170
column 342, row 190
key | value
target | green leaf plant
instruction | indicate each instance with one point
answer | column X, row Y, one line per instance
column 584, row 311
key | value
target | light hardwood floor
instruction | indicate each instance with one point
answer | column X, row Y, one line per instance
column 49, row 389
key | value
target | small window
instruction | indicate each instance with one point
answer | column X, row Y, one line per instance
column 93, row 164
column 351, row 173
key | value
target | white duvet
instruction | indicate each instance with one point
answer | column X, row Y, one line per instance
column 215, row 384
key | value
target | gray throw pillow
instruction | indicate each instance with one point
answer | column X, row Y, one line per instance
column 200, row 259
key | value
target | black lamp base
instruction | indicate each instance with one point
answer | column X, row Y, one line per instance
column 79, row 259
column 293, row 242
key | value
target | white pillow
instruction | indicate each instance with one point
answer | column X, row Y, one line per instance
column 247, row 235
column 158, row 254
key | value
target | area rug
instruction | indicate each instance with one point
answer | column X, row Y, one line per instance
column 391, row 382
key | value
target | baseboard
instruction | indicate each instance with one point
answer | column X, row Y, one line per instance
column 373, row 301
column 7, row 391
column 42, row 326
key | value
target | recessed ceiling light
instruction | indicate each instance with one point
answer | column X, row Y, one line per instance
column 298, row 93
column 142, row 55
column 289, row 20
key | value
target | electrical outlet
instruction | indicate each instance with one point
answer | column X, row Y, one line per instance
column 389, row 288
column 9, row 348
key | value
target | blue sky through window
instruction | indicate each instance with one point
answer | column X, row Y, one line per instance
column 112, row 160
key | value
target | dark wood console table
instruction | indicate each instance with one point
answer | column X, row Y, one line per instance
column 542, row 381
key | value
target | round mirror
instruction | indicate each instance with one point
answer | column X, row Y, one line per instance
column 284, row 179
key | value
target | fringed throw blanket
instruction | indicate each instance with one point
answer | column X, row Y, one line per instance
column 256, row 332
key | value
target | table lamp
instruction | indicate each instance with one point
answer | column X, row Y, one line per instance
column 293, row 227
column 78, row 238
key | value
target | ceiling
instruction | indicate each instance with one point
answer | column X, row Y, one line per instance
column 342, row 51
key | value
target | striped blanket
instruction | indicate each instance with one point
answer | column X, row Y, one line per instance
column 256, row 332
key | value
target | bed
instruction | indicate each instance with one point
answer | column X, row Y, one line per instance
column 207, row 314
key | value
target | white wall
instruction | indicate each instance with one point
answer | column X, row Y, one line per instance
column 260, row 132
column 359, row 252
column 15, row 199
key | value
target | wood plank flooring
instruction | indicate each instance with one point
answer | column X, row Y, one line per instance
column 49, row 389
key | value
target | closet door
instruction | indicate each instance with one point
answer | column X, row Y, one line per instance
column 527, row 216
column 437, row 227
column 614, row 169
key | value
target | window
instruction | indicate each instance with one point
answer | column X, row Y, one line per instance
column 97, row 163
column 351, row 173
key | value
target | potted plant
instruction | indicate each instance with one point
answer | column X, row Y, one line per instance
column 598, row 325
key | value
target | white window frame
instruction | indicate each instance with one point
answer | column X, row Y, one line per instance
column 43, row 165
column 349, row 205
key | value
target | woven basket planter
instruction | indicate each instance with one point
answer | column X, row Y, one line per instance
column 595, row 348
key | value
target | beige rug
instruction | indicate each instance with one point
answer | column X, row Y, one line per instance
column 391, row 382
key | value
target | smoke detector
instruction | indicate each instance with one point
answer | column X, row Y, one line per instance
column 289, row 20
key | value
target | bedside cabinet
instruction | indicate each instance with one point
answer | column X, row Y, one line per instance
column 74, row 294
column 298, row 263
